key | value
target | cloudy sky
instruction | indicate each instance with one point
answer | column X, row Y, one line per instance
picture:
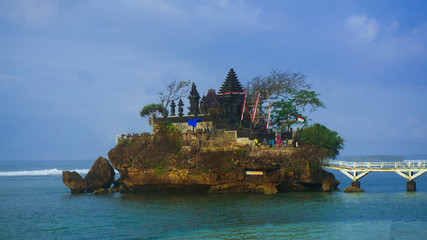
column 74, row 74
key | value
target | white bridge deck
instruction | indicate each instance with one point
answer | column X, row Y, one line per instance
column 409, row 169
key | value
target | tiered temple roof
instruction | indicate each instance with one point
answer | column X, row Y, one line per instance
column 231, row 84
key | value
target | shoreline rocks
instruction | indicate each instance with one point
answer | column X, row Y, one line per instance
column 100, row 176
column 270, row 181
column 210, row 170
column 74, row 181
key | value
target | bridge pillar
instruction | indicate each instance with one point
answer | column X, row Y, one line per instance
column 355, row 184
column 354, row 187
column 410, row 186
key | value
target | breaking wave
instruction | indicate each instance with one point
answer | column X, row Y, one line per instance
column 45, row 172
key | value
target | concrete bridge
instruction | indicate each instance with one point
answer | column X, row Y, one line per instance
column 409, row 169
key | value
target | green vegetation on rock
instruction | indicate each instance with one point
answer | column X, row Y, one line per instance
column 163, row 151
column 159, row 162
column 149, row 150
column 320, row 136
column 294, row 104
column 153, row 109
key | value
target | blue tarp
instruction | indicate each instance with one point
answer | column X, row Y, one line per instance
column 193, row 122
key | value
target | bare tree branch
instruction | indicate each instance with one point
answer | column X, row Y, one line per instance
column 174, row 91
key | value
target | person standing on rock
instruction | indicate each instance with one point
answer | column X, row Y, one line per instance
column 272, row 143
column 279, row 141
column 256, row 143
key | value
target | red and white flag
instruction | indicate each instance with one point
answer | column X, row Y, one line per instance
column 300, row 119
column 256, row 105
column 244, row 102
column 268, row 116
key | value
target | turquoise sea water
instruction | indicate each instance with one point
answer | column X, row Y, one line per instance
column 34, row 204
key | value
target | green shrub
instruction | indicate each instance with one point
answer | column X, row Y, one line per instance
column 323, row 138
column 161, row 168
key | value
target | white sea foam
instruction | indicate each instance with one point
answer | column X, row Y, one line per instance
column 44, row 172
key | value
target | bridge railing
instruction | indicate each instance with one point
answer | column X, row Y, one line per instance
column 379, row 165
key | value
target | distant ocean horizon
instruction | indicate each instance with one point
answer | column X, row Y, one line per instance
column 44, row 167
column 35, row 204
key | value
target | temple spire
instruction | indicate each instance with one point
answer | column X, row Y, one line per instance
column 194, row 101
column 231, row 84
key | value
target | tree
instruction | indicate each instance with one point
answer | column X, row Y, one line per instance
column 289, row 94
column 275, row 85
column 286, row 110
column 322, row 137
column 174, row 91
column 283, row 113
column 152, row 110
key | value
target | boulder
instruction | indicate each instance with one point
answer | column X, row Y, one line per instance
column 330, row 184
column 318, row 179
column 74, row 181
column 101, row 175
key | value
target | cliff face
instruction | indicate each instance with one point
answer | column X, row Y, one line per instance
column 156, row 164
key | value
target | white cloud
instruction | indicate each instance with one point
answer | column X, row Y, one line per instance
column 402, row 47
column 31, row 13
column 393, row 28
column 364, row 29
column 224, row 15
column 156, row 6
column 410, row 45
column 230, row 14
column 386, row 41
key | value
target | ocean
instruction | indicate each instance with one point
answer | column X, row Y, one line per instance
column 35, row 204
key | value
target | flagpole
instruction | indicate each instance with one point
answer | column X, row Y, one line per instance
column 255, row 107
column 243, row 108
column 268, row 116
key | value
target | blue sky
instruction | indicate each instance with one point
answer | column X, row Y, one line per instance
column 74, row 74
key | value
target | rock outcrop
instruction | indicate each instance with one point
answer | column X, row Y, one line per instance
column 99, row 178
column 219, row 170
column 74, row 181
column 100, row 175
column 311, row 176
column 329, row 184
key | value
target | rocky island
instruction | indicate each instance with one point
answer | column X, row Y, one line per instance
column 215, row 148
column 157, row 163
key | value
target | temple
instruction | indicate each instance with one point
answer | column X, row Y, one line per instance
column 231, row 97
column 226, row 113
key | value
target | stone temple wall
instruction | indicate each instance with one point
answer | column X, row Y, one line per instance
column 184, row 127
